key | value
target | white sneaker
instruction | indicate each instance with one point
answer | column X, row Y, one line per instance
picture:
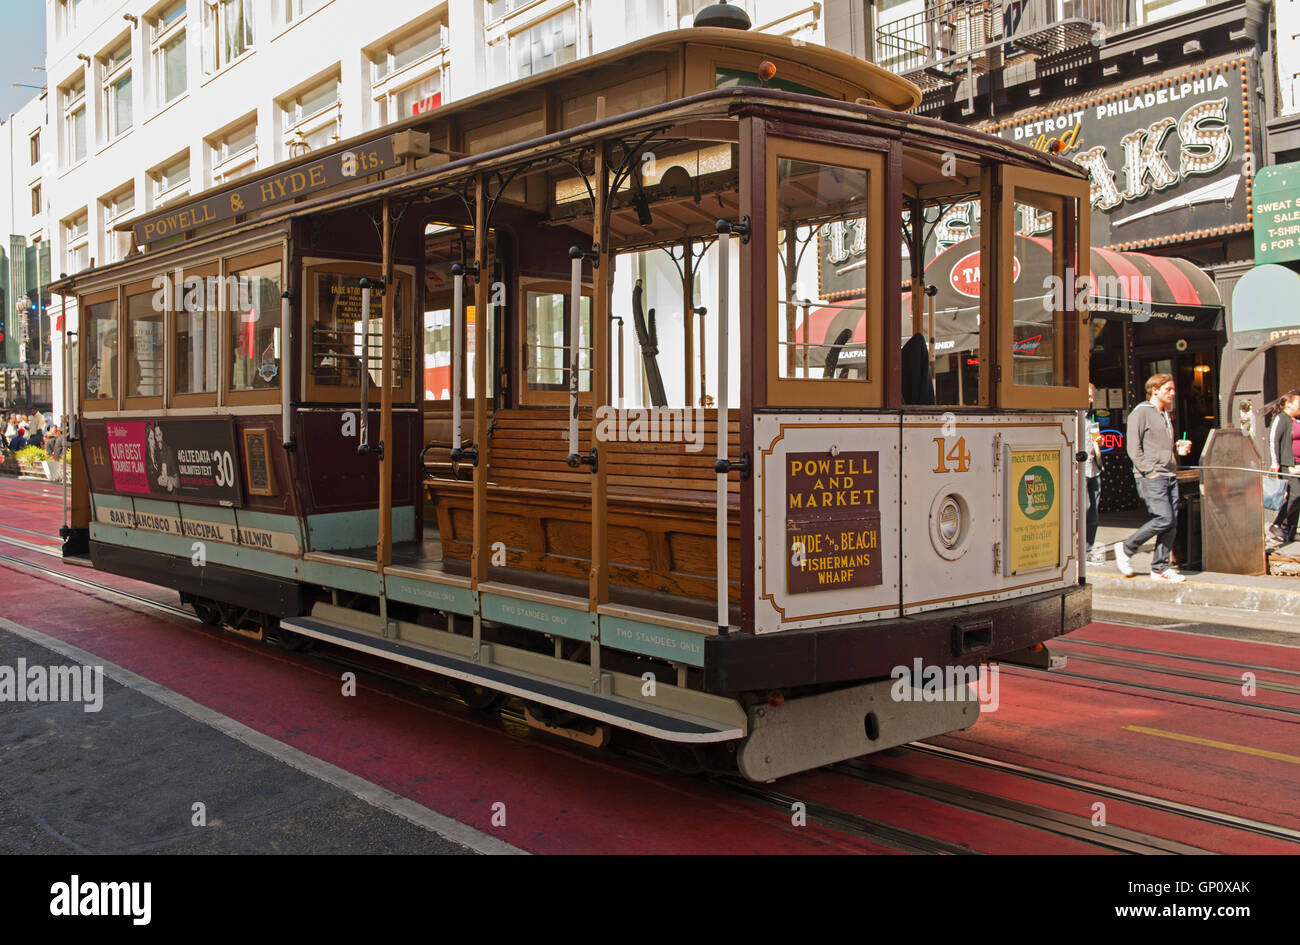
column 1122, row 560
column 1097, row 555
column 1169, row 575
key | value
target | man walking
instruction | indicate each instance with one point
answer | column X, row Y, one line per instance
column 1151, row 447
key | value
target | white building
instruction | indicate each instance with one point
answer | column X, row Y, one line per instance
column 151, row 101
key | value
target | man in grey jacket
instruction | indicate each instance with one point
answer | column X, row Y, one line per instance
column 1151, row 448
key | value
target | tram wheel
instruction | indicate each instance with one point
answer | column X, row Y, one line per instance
column 480, row 698
column 207, row 612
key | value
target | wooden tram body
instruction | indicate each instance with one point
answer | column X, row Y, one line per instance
column 273, row 456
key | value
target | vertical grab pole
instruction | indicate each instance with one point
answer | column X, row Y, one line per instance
column 724, row 309
column 363, row 446
column 575, row 323
column 286, row 394
column 457, row 323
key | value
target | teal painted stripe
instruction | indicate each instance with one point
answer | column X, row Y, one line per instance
column 333, row 531
column 209, row 513
column 561, row 621
column 667, row 643
column 270, row 521
column 457, row 600
column 247, row 559
column 154, row 507
column 341, row 576
column 111, row 501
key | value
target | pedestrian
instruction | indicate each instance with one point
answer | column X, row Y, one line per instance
column 1284, row 449
column 1155, row 468
column 1092, row 477
column 19, row 440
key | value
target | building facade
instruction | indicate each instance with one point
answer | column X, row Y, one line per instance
column 150, row 101
column 1165, row 103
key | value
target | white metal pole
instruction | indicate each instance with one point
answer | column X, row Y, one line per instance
column 575, row 310
column 364, row 441
column 285, row 392
column 724, row 310
column 457, row 320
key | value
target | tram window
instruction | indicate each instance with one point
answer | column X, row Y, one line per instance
column 337, row 344
column 547, row 348
column 471, row 333
column 1038, row 310
column 949, row 320
column 197, row 322
column 255, row 328
column 100, row 340
column 437, row 354
column 822, row 250
column 144, row 339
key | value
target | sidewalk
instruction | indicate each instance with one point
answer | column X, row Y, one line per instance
column 1269, row 601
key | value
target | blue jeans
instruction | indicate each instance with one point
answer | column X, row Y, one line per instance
column 1161, row 497
column 1093, row 517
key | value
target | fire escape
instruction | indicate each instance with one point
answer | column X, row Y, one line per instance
column 956, row 40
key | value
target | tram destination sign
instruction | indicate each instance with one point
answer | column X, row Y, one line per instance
column 832, row 521
column 267, row 191
column 183, row 460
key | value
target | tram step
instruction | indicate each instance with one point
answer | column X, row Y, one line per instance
column 614, row 710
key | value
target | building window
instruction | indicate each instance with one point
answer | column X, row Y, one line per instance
column 76, row 233
column 74, row 121
column 234, row 153
column 499, row 8
column 112, row 209
column 34, row 144
column 170, row 180
column 550, row 43
column 117, row 89
column 66, row 15
column 36, row 200
column 312, row 117
column 408, row 73
column 227, row 32
column 295, row 10
column 167, row 49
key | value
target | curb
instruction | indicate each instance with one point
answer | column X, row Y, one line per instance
column 1247, row 600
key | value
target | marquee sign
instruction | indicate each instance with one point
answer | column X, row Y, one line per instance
column 1169, row 159
column 299, row 181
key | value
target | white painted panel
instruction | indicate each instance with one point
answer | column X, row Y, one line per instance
column 853, row 541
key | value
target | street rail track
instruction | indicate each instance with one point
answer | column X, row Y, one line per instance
column 900, row 839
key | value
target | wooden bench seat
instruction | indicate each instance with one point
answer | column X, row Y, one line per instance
column 661, row 505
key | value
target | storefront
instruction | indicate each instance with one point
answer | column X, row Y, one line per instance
column 1171, row 159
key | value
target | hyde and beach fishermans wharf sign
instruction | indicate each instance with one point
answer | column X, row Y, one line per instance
column 329, row 171
column 832, row 521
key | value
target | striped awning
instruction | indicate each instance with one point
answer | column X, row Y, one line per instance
column 1141, row 286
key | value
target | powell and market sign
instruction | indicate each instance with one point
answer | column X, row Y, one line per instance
column 1167, row 158
column 329, row 171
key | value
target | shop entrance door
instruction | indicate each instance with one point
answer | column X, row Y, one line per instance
column 1197, row 396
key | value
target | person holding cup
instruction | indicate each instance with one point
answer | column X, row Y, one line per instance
column 1152, row 449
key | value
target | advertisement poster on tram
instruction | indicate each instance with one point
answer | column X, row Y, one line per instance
column 189, row 459
column 832, row 521
column 1034, row 510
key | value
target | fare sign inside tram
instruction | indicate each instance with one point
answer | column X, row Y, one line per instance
column 832, row 521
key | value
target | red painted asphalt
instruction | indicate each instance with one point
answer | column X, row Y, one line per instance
column 564, row 799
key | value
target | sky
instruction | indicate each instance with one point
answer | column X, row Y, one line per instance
column 24, row 32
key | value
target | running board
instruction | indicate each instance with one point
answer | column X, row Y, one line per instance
column 615, row 710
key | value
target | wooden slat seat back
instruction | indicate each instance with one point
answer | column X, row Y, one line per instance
column 661, row 504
